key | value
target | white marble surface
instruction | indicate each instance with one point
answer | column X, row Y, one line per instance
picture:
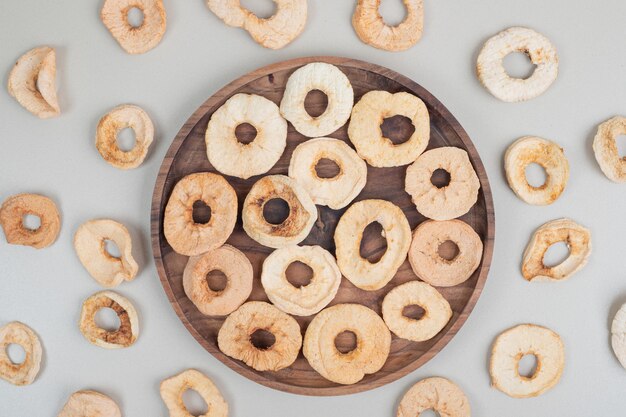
column 197, row 56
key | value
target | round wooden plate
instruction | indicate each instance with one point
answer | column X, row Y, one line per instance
column 187, row 154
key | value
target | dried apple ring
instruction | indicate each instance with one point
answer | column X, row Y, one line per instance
column 112, row 123
column 512, row 345
column 371, row 28
column 578, row 240
column 243, row 160
column 349, row 233
column 135, row 39
column 331, row 81
column 124, row 336
column 430, row 266
column 539, row 50
column 451, row 200
column 90, row 403
column 90, row 245
column 186, row 236
column 232, row 263
column 32, row 82
column 437, row 311
column 547, row 154
column 274, row 32
column 438, row 394
column 335, row 192
column 19, row 373
column 12, row 215
column 172, row 390
column 311, row 298
column 292, row 230
column 605, row 149
column 366, row 134
column 618, row 335
column 373, row 342
column 235, row 336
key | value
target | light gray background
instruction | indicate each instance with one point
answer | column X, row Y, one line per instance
column 197, row 56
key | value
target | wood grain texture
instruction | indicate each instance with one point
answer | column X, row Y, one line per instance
column 187, row 154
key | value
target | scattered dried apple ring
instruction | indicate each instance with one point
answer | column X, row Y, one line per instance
column 430, row 266
column 331, row 81
column 512, row 345
column 90, row 245
column 373, row 342
column 437, row 311
column 140, row 39
column 311, row 298
column 238, row 270
column 234, row 337
column 605, row 149
column 12, row 215
column 366, row 134
column 578, row 240
column 539, row 50
column 452, row 200
column 19, row 373
column 231, row 157
column 124, row 336
column 295, row 228
column 547, row 154
column 90, row 403
column 112, row 123
column 338, row 191
column 172, row 390
column 618, row 335
column 188, row 237
column 32, row 82
column 274, row 32
column 438, row 394
column 349, row 233
column 371, row 28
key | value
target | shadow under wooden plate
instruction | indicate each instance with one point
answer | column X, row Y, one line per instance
column 187, row 154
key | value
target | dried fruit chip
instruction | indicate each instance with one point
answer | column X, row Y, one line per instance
column 90, row 403
column 135, row 39
column 12, row 215
column 578, row 240
column 273, row 32
column 234, row 337
column 511, row 346
column 371, row 28
column 19, row 373
column 90, row 245
column 438, row 394
column 541, row 53
column 243, row 160
column 373, row 342
column 186, row 236
column 124, row 336
column 335, row 192
column 32, row 82
column 238, row 271
column 437, row 311
column 349, row 233
column 172, row 390
column 448, row 201
column 428, row 264
column 308, row 299
column 331, row 81
column 112, row 123
column 366, row 134
column 605, row 148
column 292, row 230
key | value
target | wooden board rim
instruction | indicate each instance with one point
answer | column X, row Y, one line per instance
column 158, row 203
